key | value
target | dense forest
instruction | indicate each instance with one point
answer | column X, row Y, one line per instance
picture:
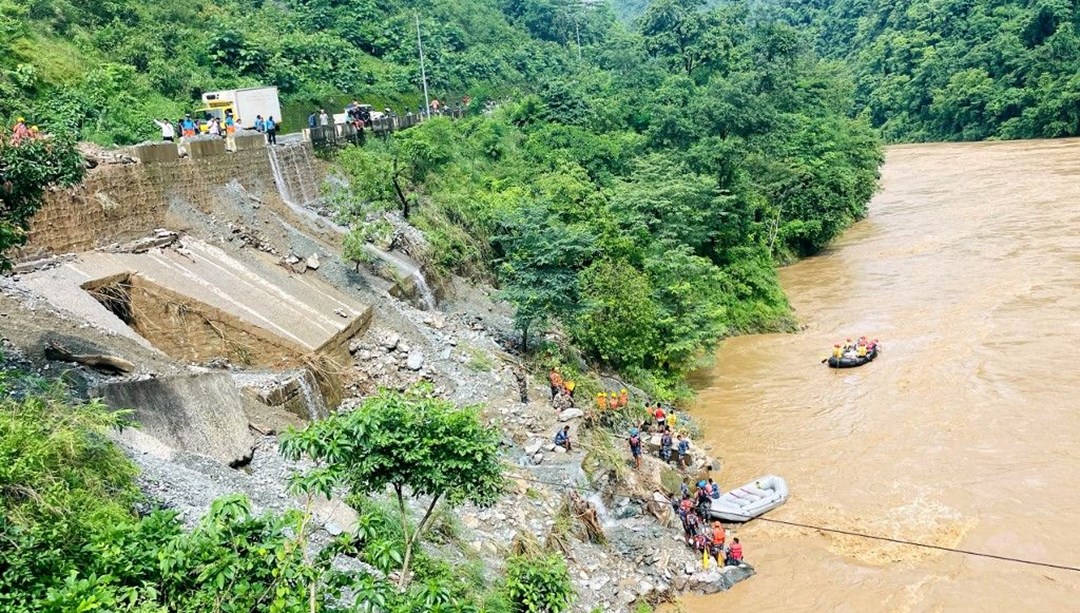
column 106, row 69
column 643, row 199
column 923, row 70
column 954, row 69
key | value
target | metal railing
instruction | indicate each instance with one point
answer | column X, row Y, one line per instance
column 348, row 133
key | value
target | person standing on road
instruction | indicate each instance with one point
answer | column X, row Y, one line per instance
column 168, row 132
column 188, row 125
column 324, row 119
column 271, row 130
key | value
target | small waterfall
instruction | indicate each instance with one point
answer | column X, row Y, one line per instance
column 279, row 179
column 313, row 398
column 423, row 291
column 295, row 174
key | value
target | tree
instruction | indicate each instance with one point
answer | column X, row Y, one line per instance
column 412, row 442
column 27, row 169
column 618, row 325
column 539, row 273
column 682, row 31
column 539, row 584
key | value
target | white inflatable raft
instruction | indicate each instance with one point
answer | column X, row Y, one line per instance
column 751, row 500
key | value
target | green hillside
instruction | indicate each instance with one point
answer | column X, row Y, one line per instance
column 106, row 69
column 954, row 69
column 680, row 155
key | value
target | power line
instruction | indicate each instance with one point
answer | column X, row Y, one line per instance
column 875, row 537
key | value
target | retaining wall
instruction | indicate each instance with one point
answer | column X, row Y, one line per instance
column 122, row 202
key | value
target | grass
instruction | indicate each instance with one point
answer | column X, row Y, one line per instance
column 479, row 361
column 56, row 60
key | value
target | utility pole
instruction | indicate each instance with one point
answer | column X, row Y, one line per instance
column 423, row 71
column 578, row 29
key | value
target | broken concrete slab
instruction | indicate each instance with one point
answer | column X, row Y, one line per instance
column 148, row 153
column 270, row 311
column 200, row 413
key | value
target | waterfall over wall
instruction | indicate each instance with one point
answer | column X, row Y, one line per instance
column 296, row 173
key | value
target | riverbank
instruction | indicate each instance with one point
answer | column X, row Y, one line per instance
column 641, row 559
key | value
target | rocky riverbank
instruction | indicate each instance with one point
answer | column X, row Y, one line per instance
column 642, row 556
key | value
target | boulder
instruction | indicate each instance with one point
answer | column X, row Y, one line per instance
column 391, row 342
column 415, row 361
column 569, row 414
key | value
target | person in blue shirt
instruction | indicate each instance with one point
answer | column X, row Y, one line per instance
column 271, row 130
column 312, row 120
column 260, row 125
column 635, row 446
column 188, row 127
column 714, row 489
column 562, row 438
column 684, row 450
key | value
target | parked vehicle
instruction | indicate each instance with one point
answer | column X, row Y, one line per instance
column 245, row 104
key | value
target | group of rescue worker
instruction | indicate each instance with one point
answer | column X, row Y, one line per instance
column 693, row 510
column 21, row 132
column 857, row 349
column 708, row 540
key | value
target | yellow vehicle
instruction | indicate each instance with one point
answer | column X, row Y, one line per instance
column 246, row 104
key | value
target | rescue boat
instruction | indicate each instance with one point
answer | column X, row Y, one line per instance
column 853, row 361
column 751, row 500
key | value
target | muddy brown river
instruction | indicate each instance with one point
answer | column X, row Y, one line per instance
column 963, row 433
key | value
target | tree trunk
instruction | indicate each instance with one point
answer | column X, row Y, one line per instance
column 410, row 541
column 525, row 340
column 397, row 190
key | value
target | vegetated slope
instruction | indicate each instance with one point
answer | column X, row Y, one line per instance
column 637, row 185
column 954, row 69
column 643, row 199
column 106, row 69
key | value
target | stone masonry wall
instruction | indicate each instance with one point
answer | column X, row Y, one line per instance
column 114, row 203
column 118, row 203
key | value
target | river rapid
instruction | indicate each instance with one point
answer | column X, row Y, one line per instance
column 963, row 433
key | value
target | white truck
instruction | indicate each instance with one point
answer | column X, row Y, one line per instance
column 245, row 104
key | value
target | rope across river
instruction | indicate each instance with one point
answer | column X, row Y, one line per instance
column 875, row 537
column 923, row 545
